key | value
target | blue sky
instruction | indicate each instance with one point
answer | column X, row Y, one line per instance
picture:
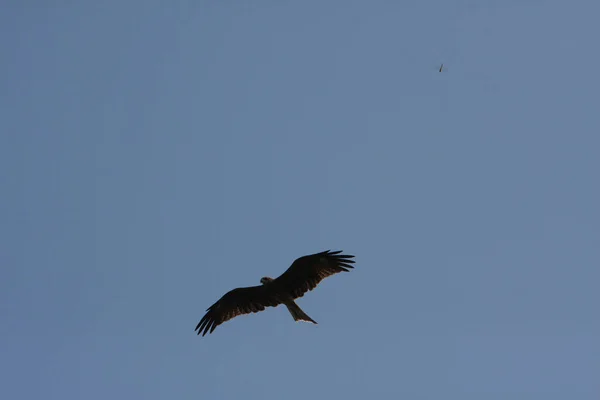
column 155, row 155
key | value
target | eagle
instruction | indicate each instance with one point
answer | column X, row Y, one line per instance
column 303, row 275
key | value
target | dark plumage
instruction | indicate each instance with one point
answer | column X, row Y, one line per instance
column 303, row 275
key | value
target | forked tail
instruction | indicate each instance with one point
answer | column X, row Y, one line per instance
column 297, row 312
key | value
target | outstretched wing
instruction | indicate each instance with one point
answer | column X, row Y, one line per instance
column 306, row 272
column 237, row 302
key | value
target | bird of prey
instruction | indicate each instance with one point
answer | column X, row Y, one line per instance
column 303, row 275
column 441, row 67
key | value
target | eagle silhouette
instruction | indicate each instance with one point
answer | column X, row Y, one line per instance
column 303, row 275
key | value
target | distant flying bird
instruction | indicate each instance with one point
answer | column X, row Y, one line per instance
column 303, row 275
column 441, row 67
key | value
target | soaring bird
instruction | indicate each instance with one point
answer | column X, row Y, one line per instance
column 303, row 275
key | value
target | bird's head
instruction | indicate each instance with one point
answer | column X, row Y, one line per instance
column 266, row 280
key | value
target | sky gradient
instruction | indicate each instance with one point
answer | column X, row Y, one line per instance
column 154, row 155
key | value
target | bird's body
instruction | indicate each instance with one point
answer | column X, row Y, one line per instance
column 303, row 275
column 289, row 302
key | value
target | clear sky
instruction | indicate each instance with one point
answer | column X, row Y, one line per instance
column 154, row 155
